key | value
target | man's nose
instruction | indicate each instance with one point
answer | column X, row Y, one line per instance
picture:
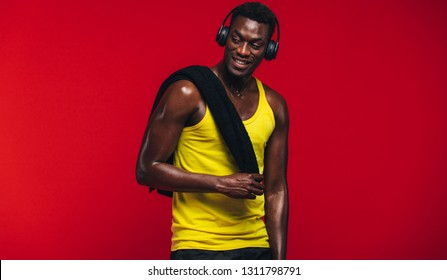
column 243, row 50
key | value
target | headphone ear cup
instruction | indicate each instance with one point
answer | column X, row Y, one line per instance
column 222, row 34
column 272, row 50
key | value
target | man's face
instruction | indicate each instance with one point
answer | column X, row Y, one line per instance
column 245, row 46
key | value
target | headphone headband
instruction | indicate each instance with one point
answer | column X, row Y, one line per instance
column 276, row 21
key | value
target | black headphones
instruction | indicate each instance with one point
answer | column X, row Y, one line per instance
column 272, row 47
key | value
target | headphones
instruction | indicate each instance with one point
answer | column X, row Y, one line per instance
column 272, row 46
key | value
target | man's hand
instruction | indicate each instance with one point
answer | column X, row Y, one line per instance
column 241, row 185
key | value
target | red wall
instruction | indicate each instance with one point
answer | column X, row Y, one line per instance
column 366, row 86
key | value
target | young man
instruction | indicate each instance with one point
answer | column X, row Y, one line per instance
column 217, row 210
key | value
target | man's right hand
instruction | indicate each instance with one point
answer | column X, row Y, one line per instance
column 241, row 185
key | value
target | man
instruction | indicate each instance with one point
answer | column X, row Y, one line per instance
column 217, row 210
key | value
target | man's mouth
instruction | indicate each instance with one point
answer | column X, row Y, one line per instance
column 241, row 62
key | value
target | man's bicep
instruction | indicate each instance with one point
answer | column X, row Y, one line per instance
column 276, row 153
column 166, row 124
column 276, row 161
column 161, row 138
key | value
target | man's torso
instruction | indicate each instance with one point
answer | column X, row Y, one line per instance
column 212, row 221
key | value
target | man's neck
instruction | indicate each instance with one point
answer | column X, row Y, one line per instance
column 233, row 83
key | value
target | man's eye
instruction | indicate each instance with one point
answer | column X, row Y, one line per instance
column 235, row 40
column 255, row 46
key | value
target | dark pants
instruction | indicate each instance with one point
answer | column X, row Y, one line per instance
column 238, row 254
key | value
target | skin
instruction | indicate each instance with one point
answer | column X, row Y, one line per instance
column 182, row 106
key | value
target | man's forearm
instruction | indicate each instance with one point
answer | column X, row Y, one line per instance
column 276, row 219
column 168, row 177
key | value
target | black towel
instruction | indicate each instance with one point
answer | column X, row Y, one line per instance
column 224, row 113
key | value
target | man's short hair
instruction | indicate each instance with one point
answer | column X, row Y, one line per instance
column 258, row 12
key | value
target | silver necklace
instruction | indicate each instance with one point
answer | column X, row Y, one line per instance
column 236, row 91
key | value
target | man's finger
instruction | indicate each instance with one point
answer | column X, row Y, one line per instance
column 251, row 196
column 258, row 177
column 257, row 191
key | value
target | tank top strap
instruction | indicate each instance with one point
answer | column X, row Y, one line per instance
column 262, row 97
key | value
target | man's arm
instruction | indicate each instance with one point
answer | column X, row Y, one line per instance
column 182, row 105
column 276, row 195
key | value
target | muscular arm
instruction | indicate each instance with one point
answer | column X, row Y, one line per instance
column 276, row 196
column 182, row 105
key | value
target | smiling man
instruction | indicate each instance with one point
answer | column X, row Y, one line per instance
column 220, row 211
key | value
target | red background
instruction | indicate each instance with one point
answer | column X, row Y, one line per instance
column 366, row 86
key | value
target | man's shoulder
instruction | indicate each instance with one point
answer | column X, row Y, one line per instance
column 274, row 98
column 184, row 86
column 182, row 89
column 279, row 107
column 188, row 80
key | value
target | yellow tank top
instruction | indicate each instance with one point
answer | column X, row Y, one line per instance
column 212, row 221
